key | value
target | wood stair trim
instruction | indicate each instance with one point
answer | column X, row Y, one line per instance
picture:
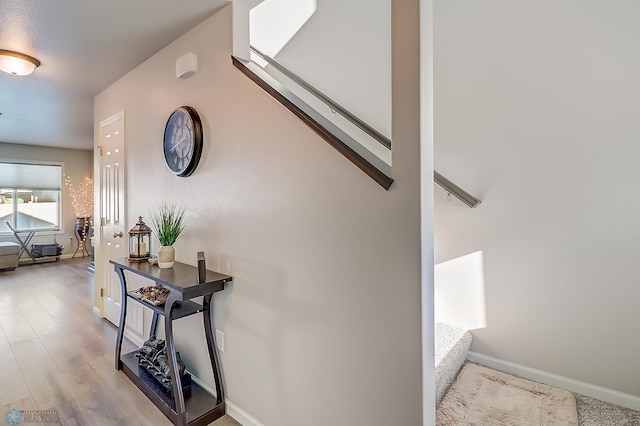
column 329, row 136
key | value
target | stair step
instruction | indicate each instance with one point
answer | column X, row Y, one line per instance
column 452, row 345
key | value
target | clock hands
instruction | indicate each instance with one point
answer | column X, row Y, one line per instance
column 175, row 145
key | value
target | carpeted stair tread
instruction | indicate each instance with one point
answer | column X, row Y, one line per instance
column 482, row 396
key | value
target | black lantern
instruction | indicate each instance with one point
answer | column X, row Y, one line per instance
column 139, row 242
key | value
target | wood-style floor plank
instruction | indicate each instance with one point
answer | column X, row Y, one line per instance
column 41, row 323
column 56, row 355
column 14, row 387
column 16, row 327
column 24, row 404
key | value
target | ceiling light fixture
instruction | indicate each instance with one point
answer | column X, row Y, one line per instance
column 17, row 63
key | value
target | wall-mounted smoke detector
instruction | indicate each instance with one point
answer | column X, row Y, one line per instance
column 186, row 65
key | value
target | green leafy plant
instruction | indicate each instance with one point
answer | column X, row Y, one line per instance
column 168, row 223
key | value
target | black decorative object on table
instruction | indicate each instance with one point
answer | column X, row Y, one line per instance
column 200, row 407
column 152, row 356
column 153, row 294
column 202, row 267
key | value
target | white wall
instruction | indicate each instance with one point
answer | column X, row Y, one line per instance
column 459, row 292
column 536, row 114
column 322, row 321
column 344, row 50
column 78, row 164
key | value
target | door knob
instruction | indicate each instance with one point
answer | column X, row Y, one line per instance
column 118, row 234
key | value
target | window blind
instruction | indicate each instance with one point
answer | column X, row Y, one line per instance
column 30, row 176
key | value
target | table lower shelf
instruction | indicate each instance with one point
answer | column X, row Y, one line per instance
column 201, row 407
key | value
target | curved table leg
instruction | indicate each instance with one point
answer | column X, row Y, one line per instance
column 211, row 346
column 154, row 326
column 176, row 380
column 123, row 315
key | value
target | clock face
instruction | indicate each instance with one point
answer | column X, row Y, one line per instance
column 183, row 141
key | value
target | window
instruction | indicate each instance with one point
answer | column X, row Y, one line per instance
column 30, row 196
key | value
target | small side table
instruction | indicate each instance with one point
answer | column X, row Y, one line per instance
column 201, row 408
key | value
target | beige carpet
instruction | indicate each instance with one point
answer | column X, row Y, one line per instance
column 481, row 396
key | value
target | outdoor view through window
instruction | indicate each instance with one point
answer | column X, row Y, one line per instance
column 30, row 197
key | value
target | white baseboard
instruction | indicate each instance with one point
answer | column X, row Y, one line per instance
column 203, row 385
column 576, row 386
column 233, row 411
column 241, row 416
column 134, row 337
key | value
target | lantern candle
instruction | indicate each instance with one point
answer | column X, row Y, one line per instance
column 142, row 248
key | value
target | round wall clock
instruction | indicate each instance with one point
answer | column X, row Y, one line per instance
column 183, row 141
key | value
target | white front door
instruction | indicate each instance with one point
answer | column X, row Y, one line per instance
column 113, row 234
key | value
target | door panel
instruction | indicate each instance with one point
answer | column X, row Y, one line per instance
column 113, row 232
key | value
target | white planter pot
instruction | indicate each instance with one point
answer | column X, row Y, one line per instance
column 166, row 257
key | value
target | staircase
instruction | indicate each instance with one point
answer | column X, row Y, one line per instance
column 351, row 71
column 452, row 345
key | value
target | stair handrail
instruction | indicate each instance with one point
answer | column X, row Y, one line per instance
column 455, row 190
column 333, row 106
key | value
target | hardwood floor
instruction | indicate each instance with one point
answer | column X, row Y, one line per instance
column 56, row 355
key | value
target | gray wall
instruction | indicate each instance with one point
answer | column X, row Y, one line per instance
column 322, row 321
column 78, row 164
column 536, row 113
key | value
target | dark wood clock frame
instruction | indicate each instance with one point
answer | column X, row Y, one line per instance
column 196, row 141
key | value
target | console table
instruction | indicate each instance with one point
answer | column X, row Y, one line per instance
column 201, row 408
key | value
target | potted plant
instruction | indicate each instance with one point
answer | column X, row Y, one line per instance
column 168, row 223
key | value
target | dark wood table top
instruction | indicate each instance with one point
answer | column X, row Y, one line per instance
column 181, row 277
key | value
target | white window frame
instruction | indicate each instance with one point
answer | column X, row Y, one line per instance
column 38, row 231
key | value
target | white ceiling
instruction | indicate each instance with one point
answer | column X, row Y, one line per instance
column 84, row 46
